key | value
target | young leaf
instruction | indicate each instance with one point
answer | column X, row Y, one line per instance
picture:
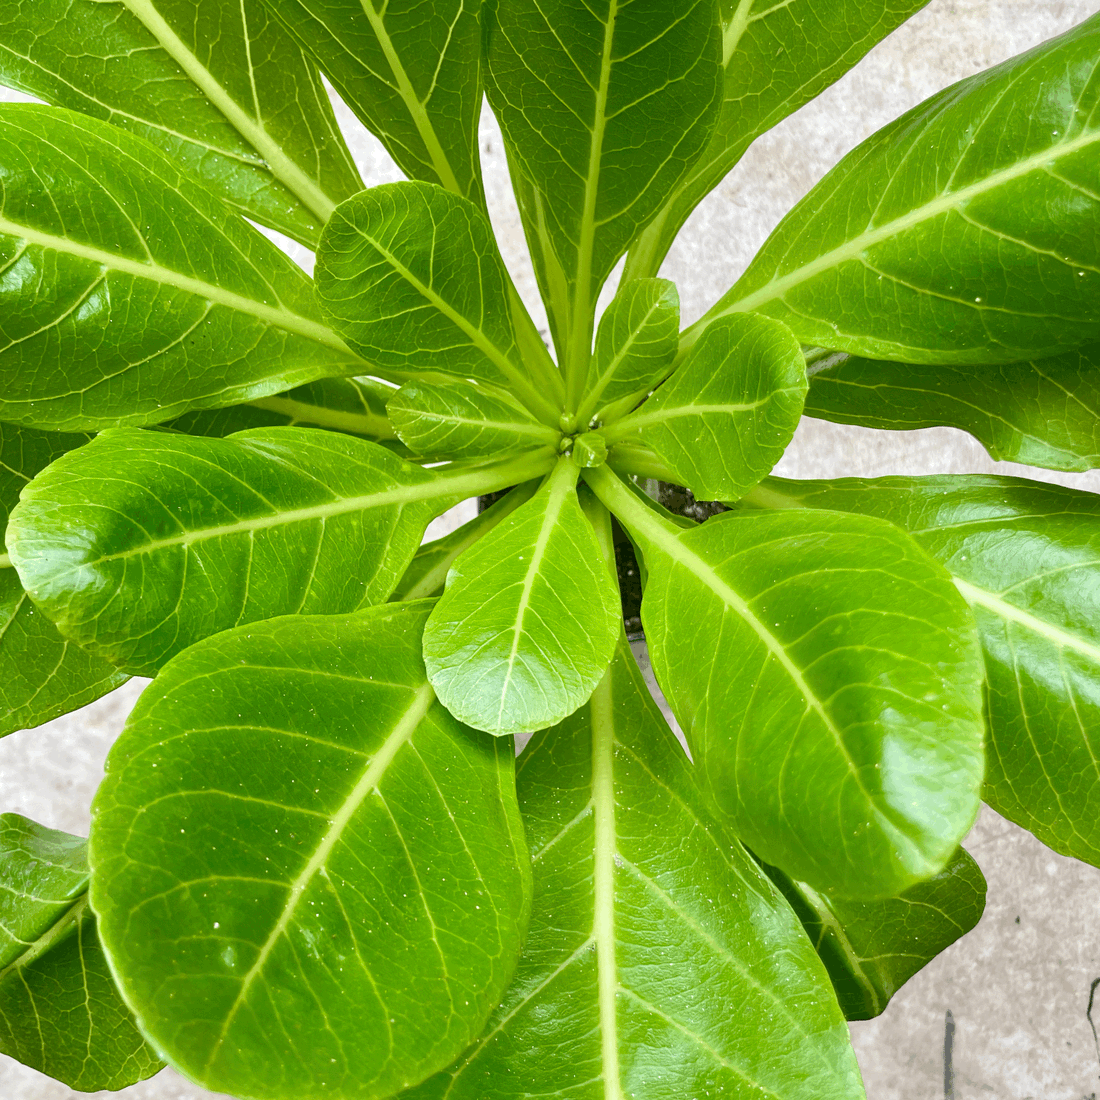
column 1042, row 413
column 965, row 232
column 828, row 678
column 529, row 619
column 872, row 948
column 723, row 420
column 130, row 294
column 412, row 75
column 660, row 963
column 142, row 543
column 220, row 87
column 310, row 879
column 60, row 1012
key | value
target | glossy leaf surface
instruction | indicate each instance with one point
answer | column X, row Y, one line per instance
column 649, row 923
column 828, row 678
column 967, row 231
column 724, row 419
column 1042, row 413
column 412, row 75
column 60, row 1012
column 220, row 87
column 529, row 619
column 310, row 879
column 130, row 294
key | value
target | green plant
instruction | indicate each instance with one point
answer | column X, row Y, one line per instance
column 310, row 872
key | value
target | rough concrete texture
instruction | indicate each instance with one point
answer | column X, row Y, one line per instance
column 1017, row 988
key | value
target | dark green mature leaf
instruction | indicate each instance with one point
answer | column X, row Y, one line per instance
column 411, row 73
column 60, row 1012
column 1026, row 556
column 221, row 87
column 872, row 948
column 1043, row 413
column 130, row 294
column 828, row 678
column 660, row 963
column 775, row 57
column 528, row 622
column 142, row 543
column 310, row 879
column 968, row 231
column 577, row 89
column 724, row 419
column 41, row 674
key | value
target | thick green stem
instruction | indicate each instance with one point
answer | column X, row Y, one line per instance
column 364, row 423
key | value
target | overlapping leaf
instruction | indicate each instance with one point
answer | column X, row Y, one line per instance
column 131, row 295
column 309, row 878
column 967, row 231
column 660, row 962
column 60, row 1012
column 221, row 87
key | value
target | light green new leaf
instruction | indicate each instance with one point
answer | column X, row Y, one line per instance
column 60, row 1012
column 310, row 879
column 660, row 963
column 1044, row 413
column 456, row 418
column 577, row 89
column 967, row 231
column 828, row 678
column 41, row 674
column 528, row 622
column 775, row 58
column 221, row 87
column 411, row 73
column 142, row 543
column 1026, row 556
column 724, row 419
column 872, row 948
column 130, row 294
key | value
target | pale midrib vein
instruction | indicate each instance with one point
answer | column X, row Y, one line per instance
column 282, row 167
column 372, row 775
column 370, row 424
column 51, row 936
column 542, row 432
column 731, row 36
column 678, row 412
column 595, row 391
column 272, row 315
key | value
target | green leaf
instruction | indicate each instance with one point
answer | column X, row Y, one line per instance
column 310, row 879
column 141, row 543
column 529, row 620
column 1042, row 413
column 724, row 419
column 649, row 924
column 130, row 294
column 1026, row 556
column 577, row 89
column 221, row 87
column 828, row 678
column 60, row 1012
column 872, row 948
column 967, row 231
column 41, row 674
column 412, row 75
column 456, row 418
column 775, row 58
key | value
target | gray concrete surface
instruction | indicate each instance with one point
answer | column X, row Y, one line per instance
column 1017, row 988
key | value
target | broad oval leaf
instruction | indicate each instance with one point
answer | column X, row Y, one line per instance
column 660, row 963
column 724, row 419
column 310, row 879
column 412, row 75
column 528, row 622
column 1042, row 413
column 221, row 87
column 968, row 231
column 828, row 678
column 60, row 1012
column 130, row 294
